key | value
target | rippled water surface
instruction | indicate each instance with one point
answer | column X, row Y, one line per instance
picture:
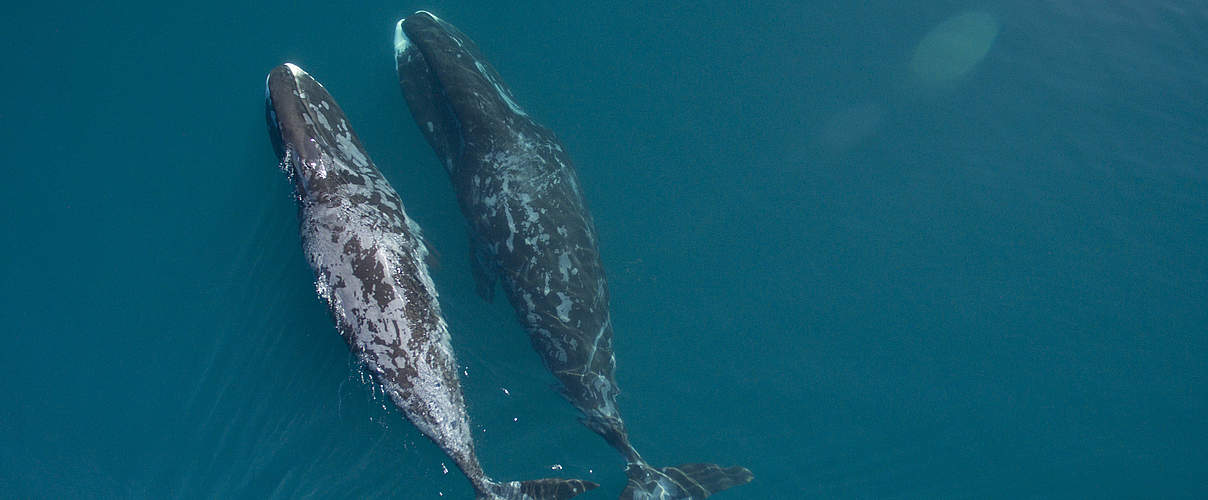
column 870, row 249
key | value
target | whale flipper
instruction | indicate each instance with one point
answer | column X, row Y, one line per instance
column 538, row 489
column 681, row 482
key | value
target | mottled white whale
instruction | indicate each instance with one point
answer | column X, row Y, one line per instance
column 368, row 259
column 532, row 233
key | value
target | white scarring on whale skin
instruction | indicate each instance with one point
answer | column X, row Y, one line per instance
column 369, row 262
column 368, row 258
column 532, row 233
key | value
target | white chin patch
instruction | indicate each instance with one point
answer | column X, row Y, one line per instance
column 401, row 43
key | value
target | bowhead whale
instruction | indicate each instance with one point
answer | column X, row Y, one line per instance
column 368, row 259
column 531, row 232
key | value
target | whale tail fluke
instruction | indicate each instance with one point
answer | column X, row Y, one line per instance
column 538, row 489
column 681, row 482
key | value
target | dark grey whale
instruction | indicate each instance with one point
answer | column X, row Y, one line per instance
column 532, row 233
column 368, row 259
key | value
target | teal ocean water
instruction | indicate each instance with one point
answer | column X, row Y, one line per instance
column 865, row 249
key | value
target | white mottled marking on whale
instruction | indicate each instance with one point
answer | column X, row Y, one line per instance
column 354, row 153
column 511, row 228
column 319, row 167
column 564, row 266
column 531, row 213
column 319, row 115
column 563, row 307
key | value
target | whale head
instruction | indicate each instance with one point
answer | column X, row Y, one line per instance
column 309, row 131
column 455, row 61
column 454, row 93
